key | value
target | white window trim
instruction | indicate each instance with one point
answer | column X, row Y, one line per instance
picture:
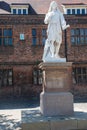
column 67, row 9
column 17, row 10
column 79, row 9
column 11, row 11
column 76, row 10
column 85, row 10
column 26, row 10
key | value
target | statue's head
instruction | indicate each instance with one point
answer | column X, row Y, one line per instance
column 53, row 6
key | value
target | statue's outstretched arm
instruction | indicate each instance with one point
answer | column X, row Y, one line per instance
column 63, row 22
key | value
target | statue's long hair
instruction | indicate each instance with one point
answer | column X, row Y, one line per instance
column 53, row 3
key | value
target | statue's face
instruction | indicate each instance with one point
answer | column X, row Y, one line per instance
column 54, row 6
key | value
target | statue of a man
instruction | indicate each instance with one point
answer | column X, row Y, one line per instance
column 56, row 23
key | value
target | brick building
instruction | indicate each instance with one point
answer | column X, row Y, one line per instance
column 22, row 39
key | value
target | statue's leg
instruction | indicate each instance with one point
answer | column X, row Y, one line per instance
column 52, row 48
column 57, row 50
column 45, row 49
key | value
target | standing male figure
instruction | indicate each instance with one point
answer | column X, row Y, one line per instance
column 56, row 23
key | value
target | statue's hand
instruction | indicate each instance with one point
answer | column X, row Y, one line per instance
column 48, row 18
column 45, row 21
column 65, row 27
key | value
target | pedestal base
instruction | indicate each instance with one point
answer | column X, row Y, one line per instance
column 54, row 60
column 56, row 104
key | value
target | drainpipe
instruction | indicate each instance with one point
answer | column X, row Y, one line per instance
column 65, row 40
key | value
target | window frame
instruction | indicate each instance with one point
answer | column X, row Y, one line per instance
column 6, row 77
column 25, row 11
column 78, row 37
column 44, row 35
column 34, row 36
column 19, row 11
column 75, row 11
column 37, row 76
column 82, row 11
column 6, row 36
column 13, row 11
column 68, row 11
column 79, row 11
column 79, row 75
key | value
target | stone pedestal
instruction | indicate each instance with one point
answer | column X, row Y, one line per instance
column 53, row 104
column 56, row 98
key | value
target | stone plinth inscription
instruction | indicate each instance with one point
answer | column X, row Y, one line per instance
column 56, row 77
column 56, row 82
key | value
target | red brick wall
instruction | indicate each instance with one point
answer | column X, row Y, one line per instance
column 22, row 56
column 76, row 53
column 22, row 82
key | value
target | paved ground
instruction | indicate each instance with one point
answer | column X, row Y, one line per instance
column 11, row 112
column 11, row 109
